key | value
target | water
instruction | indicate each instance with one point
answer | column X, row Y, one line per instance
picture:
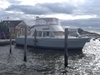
column 49, row 62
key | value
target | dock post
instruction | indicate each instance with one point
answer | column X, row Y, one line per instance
column 25, row 44
column 10, row 41
column 66, row 48
column 35, row 34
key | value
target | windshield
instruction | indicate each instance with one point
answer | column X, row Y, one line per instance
column 47, row 21
column 58, row 33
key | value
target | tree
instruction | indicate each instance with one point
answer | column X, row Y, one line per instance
column 3, row 27
column 80, row 30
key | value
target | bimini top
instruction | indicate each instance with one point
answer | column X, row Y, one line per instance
column 47, row 21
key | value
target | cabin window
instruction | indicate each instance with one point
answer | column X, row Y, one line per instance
column 58, row 33
column 39, row 33
column 61, row 33
column 47, row 33
column 44, row 34
column 51, row 34
column 22, row 30
column 34, row 33
column 52, row 21
column 40, row 22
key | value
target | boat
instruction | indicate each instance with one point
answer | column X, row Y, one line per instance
column 48, row 33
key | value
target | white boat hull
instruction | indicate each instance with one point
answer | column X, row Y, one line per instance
column 53, row 43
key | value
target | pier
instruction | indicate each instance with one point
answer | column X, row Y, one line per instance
column 6, row 41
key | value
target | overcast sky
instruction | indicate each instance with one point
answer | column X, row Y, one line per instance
column 72, row 13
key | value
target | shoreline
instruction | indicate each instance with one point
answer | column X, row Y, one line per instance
column 6, row 41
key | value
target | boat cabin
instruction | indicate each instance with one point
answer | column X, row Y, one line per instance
column 47, row 27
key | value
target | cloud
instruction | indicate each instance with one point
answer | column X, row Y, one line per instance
column 44, row 8
column 81, row 14
column 89, row 7
column 87, row 24
column 59, row 7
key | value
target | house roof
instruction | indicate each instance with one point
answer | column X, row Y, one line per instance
column 12, row 23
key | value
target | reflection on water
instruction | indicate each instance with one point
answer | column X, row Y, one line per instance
column 50, row 62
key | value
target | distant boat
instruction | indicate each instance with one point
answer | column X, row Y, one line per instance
column 50, row 34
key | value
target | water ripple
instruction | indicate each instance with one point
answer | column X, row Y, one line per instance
column 49, row 62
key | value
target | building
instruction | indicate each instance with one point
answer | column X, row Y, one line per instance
column 16, row 26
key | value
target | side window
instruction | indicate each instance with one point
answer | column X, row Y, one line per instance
column 51, row 34
column 34, row 33
column 22, row 30
column 44, row 34
column 39, row 34
column 47, row 33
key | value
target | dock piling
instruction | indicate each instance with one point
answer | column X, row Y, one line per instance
column 66, row 48
column 25, row 44
column 35, row 34
column 10, row 41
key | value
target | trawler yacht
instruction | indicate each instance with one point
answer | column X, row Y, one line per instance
column 48, row 33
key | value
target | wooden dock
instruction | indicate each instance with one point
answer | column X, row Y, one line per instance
column 6, row 41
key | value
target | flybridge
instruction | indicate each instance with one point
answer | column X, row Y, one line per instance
column 47, row 21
